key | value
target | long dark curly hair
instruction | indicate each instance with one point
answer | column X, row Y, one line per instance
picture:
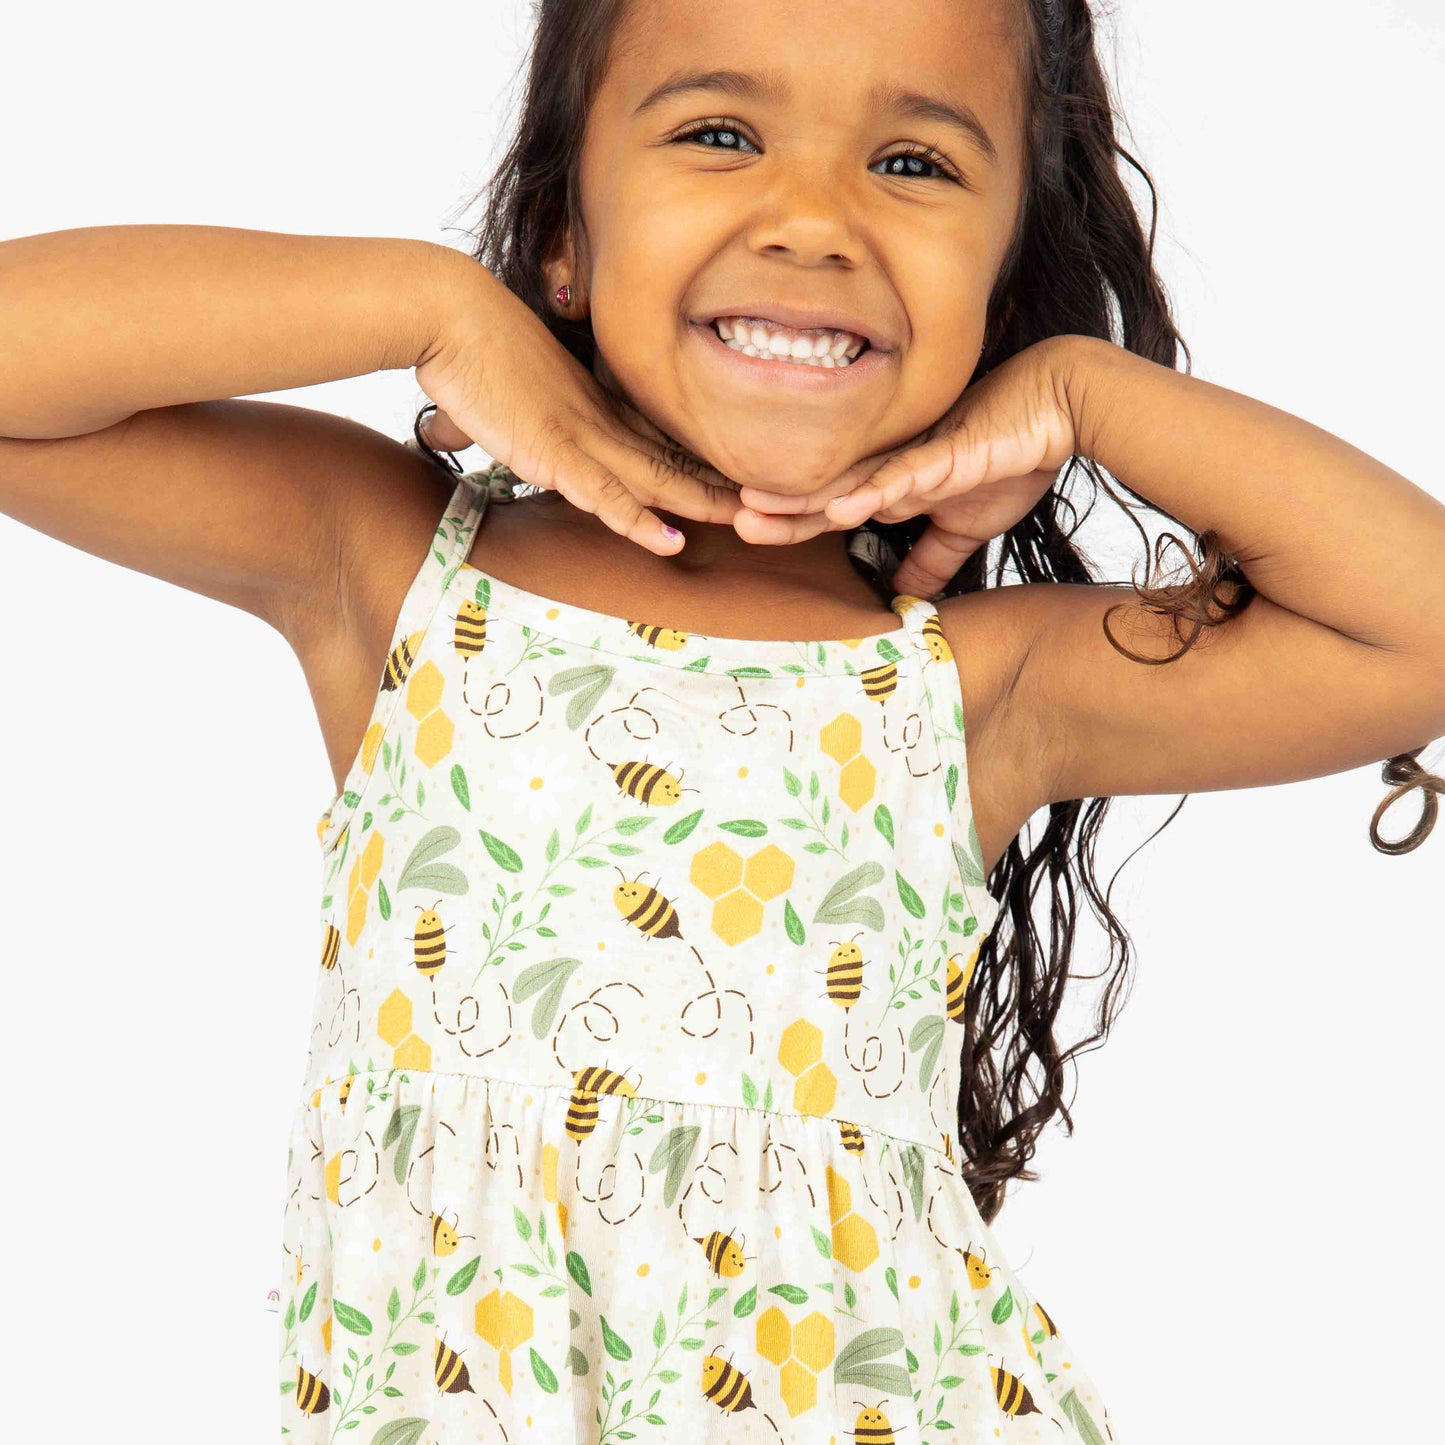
column 1080, row 263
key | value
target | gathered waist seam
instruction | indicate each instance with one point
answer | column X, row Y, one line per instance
column 309, row 1095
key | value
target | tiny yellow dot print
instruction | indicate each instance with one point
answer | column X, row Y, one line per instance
column 642, row 1269
column 938, row 830
column 536, row 783
column 702, row 1078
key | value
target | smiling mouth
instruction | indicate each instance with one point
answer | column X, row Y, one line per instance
column 814, row 346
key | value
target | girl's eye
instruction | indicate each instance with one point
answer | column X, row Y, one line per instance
column 913, row 158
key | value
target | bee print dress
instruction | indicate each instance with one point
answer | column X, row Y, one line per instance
column 629, row 1106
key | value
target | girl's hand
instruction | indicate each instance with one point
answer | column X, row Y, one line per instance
column 501, row 380
column 977, row 471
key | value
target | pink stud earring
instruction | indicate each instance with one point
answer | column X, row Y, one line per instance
column 564, row 295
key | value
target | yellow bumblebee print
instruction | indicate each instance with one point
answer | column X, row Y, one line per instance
column 629, row 1101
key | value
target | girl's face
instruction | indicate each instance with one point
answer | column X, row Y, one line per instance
column 860, row 161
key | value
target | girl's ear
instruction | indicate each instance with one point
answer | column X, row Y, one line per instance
column 561, row 271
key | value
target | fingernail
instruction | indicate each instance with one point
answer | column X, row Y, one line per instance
column 671, row 531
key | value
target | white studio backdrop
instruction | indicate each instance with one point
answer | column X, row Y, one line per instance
column 1241, row 1238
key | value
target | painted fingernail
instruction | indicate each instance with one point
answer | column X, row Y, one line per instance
column 671, row 531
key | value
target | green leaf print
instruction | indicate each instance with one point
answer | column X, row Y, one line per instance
column 614, row 1344
column 393, row 1304
column 542, row 1373
column 950, row 784
column 383, row 900
column 746, row 1304
column 659, row 1330
column 401, row 1131
column 587, row 684
column 890, row 1278
column 459, row 1282
column 823, row 1241
column 401, row 1432
column 745, row 827
column 912, row 1157
column 548, row 979
column 350, row 1318
column 459, row 786
column 790, row 1292
column 970, row 864
column 308, row 1302
column 524, row 1225
column 423, row 871
column 792, row 924
column 682, row 827
column 577, row 1268
column 1003, row 1307
column 857, row 1363
column 906, row 891
column 673, row 1155
column 503, row 855
column 1080, row 1418
column 926, row 1041
column 750, row 1093
column 792, row 783
column 841, row 906
column 883, row 821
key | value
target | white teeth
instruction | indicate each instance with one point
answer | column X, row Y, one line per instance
column 807, row 347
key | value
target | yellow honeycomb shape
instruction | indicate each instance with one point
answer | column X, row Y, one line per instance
column 370, row 859
column 504, row 1320
column 813, row 1341
column 393, row 1018
column 424, row 690
column 355, row 914
column 842, row 738
column 816, row 1090
column 371, row 746
column 800, row 1045
column 798, row 1387
column 857, row 781
column 775, row 1341
column 768, row 873
column 549, row 1173
column 855, row 1242
column 412, row 1053
column 737, row 916
column 434, row 739
column 840, row 1197
column 716, row 869
column 326, row 1334
column 332, row 1178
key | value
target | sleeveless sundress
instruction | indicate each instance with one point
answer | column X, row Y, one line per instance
column 629, row 1109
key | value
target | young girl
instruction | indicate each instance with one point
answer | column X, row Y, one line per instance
column 680, row 1016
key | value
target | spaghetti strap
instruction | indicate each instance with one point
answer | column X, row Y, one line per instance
column 941, row 702
column 450, row 548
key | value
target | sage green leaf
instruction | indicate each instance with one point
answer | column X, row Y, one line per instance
column 503, row 854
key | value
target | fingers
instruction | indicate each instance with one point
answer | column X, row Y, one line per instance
column 765, row 530
column 592, row 486
column 933, row 560
column 442, row 434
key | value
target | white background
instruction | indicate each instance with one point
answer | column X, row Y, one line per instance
column 1241, row 1240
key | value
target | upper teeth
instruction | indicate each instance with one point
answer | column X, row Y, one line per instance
column 757, row 336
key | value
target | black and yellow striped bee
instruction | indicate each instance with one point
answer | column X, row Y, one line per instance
column 587, row 1084
column 726, row 1385
column 936, row 642
column 845, row 973
column 881, row 682
column 1011, row 1393
column 851, row 1135
column 1051, row 1330
column 872, row 1427
column 429, row 952
column 444, row 1237
column 979, row 1273
column 958, row 982
column 399, row 661
column 330, row 947
column 470, row 634
column 344, row 1092
column 670, row 639
column 645, row 908
column 451, row 1372
column 724, row 1254
column 312, row 1397
column 648, row 783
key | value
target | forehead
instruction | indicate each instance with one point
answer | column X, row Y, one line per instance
column 828, row 52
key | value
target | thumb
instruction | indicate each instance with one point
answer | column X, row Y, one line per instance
column 932, row 561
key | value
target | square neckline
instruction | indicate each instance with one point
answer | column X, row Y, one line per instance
column 593, row 630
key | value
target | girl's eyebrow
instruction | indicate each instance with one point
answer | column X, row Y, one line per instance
column 770, row 88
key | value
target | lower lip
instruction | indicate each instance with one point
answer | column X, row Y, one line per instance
column 794, row 376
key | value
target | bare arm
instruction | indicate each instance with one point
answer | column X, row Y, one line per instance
column 1340, row 659
column 122, row 348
